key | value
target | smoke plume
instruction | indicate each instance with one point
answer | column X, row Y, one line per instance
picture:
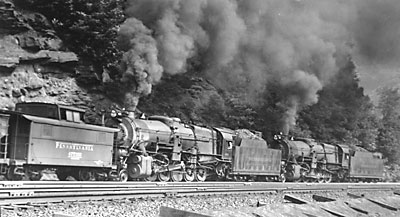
column 139, row 62
column 299, row 43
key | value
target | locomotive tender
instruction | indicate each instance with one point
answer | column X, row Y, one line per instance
column 39, row 137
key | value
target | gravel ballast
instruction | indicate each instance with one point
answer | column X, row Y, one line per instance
column 150, row 206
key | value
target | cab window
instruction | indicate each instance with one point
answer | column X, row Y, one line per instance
column 70, row 115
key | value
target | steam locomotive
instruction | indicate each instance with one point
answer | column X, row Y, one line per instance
column 162, row 148
column 307, row 160
column 39, row 137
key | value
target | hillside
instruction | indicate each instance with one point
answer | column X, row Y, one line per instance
column 36, row 66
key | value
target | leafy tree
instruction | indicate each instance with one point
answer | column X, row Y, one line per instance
column 87, row 27
column 240, row 114
column 343, row 113
column 388, row 140
column 213, row 110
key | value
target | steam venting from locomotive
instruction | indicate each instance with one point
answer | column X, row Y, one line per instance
column 298, row 44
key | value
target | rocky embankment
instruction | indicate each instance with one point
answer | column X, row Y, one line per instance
column 34, row 64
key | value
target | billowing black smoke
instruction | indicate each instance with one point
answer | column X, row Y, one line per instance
column 299, row 43
column 139, row 62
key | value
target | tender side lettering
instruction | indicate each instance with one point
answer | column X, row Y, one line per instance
column 74, row 146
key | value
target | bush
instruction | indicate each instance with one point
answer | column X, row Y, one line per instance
column 392, row 173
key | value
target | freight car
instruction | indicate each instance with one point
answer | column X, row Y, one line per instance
column 40, row 138
column 308, row 160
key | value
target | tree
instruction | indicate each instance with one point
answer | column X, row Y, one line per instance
column 343, row 114
column 87, row 27
column 388, row 140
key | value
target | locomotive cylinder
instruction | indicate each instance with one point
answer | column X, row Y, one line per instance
column 141, row 168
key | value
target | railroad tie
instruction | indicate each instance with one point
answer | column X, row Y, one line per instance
column 333, row 212
column 8, row 207
column 322, row 198
column 294, row 199
column 382, row 204
column 63, row 215
column 355, row 196
column 15, row 207
column 171, row 212
column 356, row 208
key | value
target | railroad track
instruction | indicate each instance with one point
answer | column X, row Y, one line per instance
column 20, row 193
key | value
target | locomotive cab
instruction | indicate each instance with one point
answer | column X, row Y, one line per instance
column 344, row 156
column 225, row 139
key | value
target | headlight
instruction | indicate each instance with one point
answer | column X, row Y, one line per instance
column 113, row 113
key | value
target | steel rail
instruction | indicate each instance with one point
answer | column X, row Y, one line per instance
column 43, row 192
column 97, row 184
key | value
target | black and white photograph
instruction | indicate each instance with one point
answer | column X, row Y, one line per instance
column 199, row 108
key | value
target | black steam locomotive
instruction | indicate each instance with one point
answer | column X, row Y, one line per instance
column 40, row 137
column 164, row 149
column 307, row 160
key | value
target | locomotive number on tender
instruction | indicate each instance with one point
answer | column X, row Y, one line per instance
column 75, row 155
